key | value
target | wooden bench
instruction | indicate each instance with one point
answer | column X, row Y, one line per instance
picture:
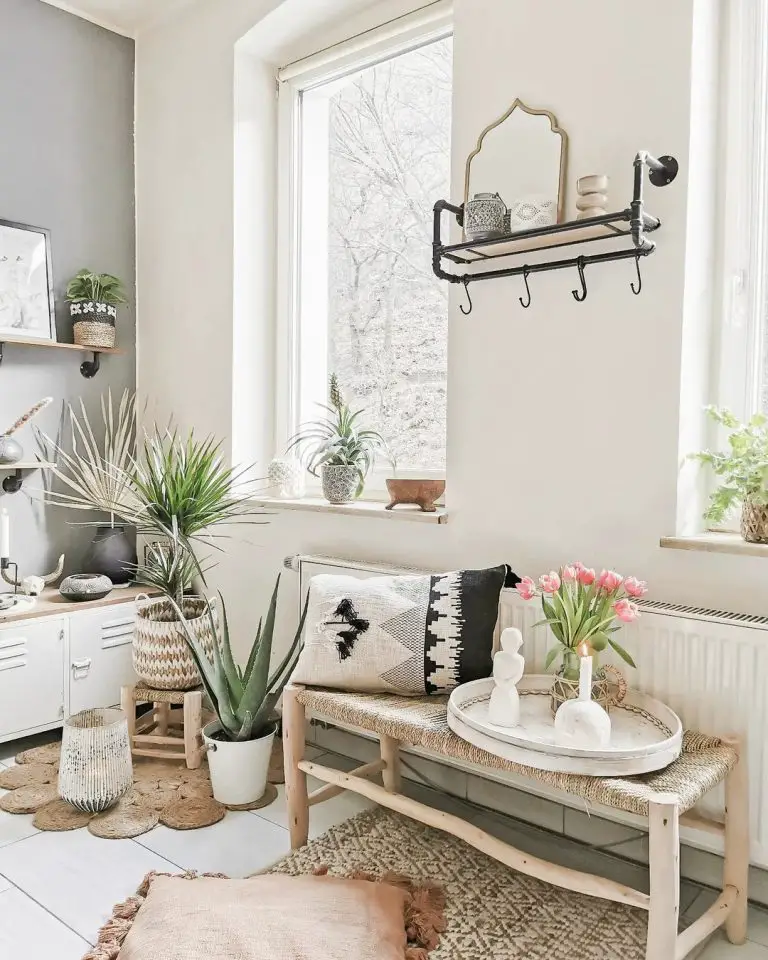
column 664, row 798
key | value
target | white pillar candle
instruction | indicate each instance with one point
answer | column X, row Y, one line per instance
column 585, row 674
column 5, row 535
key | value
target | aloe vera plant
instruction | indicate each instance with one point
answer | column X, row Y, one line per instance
column 243, row 698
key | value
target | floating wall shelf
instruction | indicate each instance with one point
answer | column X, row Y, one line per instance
column 88, row 368
column 633, row 223
column 14, row 472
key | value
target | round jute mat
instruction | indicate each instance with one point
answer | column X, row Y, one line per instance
column 48, row 753
column 201, row 789
column 192, row 813
column 28, row 799
column 269, row 796
column 60, row 815
column 124, row 821
column 27, row 775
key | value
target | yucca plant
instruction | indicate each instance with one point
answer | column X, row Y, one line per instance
column 243, row 699
column 338, row 440
column 100, row 287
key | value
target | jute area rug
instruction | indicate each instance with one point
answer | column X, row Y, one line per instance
column 491, row 911
column 164, row 791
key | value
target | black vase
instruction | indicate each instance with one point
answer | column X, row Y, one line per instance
column 113, row 554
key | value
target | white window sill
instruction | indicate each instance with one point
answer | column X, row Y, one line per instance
column 716, row 543
column 358, row 508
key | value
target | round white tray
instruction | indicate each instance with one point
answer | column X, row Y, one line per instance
column 645, row 734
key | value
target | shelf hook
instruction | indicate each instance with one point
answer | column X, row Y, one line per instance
column 463, row 309
column 636, row 290
column 526, row 271
column 580, row 296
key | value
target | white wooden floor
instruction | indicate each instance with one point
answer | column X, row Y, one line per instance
column 57, row 889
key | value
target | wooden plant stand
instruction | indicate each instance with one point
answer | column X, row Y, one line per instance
column 663, row 797
column 150, row 734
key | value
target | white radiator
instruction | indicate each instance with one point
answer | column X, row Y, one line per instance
column 710, row 667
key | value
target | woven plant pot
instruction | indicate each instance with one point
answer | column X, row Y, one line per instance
column 754, row 522
column 96, row 767
column 161, row 657
column 608, row 688
column 94, row 323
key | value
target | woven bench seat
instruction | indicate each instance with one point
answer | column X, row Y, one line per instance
column 422, row 721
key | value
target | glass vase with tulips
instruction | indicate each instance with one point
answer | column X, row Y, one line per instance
column 582, row 609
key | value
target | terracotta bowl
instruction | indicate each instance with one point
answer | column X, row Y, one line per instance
column 423, row 493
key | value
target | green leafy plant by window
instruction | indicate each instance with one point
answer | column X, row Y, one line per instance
column 338, row 440
column 100, row 287
column 743, row 468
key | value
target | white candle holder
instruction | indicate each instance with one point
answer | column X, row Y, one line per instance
column 583, row 723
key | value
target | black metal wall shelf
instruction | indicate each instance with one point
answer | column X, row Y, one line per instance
column 88, row 368
column 609, row 226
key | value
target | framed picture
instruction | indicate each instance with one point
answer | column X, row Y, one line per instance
column 26, row 282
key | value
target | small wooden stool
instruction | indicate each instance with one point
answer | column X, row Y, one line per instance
column 149, row 735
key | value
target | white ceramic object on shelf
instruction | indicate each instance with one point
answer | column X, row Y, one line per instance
column 592, row 200
column 508, row 667
column 646, row 734
column 238, row 770
column 286, row 478
column 532, row 211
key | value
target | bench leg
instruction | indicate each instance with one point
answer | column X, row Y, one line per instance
column 294, row 732
column 390, row 754
column 664, row 860
column 736, row 864
column 193, row 722
column 162, row 715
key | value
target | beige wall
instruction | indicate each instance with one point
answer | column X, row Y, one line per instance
column 563, row 420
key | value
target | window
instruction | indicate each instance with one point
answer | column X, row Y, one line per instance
column 743, row 353
column 365, row 153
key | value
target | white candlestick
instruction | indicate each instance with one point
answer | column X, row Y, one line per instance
column 5, row 535
column 585, row 677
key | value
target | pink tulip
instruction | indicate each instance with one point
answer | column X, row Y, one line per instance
column 526, row 588
column 586, row 576
column 609, row 581
column 550, row 582
column 635, row 588
column 626, row 611
column 577, row 565
column 569, row 573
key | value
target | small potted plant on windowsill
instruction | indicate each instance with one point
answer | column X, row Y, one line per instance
column 337, row 450
column 744, row 472
column 240, row 740
column 93, row 302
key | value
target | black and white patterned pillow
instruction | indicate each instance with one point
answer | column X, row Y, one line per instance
column 401, row 634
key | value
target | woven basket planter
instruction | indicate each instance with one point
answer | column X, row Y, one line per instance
column 161, row 657
column 96, row 765
column 608, row 688
column 94, row 324
column 754, row 522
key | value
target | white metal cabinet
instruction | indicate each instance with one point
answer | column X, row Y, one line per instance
column 100, row 656
column 31, row 676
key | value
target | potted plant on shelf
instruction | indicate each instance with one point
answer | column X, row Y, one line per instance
column 581, row 609
column 179, row 494
column 240, row 740
column 337, row 449
column 744, row 472
column 97, row 477
column 93, row 302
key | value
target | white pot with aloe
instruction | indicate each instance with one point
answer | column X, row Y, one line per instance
column 239, row 741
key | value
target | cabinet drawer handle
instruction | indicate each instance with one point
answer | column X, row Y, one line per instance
column 81, row 667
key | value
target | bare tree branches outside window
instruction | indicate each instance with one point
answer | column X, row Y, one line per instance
column 389, row 136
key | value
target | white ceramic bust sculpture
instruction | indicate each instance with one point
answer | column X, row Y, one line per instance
column 583, row 723
column 508, row 667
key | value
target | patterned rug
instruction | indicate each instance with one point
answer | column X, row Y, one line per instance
column 164, row 791
column 491, row 911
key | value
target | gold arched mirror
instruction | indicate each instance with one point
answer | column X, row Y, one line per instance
column 520, row 160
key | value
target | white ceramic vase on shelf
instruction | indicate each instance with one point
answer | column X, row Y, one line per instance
column 592, row 200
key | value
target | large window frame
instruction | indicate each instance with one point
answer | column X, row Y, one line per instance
column 401, row 35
